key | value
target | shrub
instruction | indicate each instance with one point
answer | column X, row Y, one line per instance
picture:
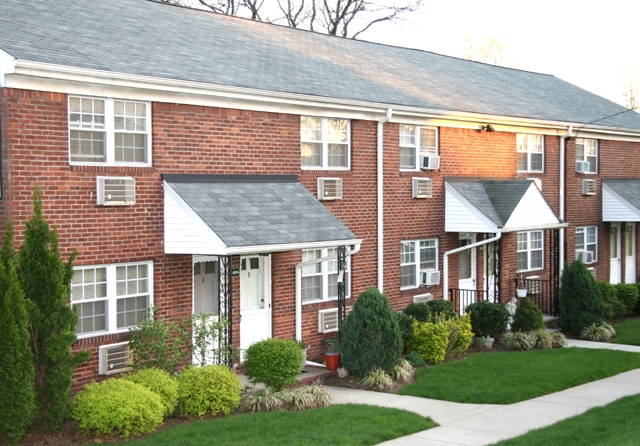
column 301, row 398
column 371, row 335
column 117, row 406
column 613, row 307
column 488, row 319
column 274, row 362
column 580, row 302
column 160, row 382
column 519, row 340
column 542, row 339
column 403, row 371
column 460, row 335
column 378, row 379
column 262, row 400
column 628, row 295
column 430, row 340
column 528, row 317
column 637, row 307
column 405, row 322
column 415, row 359
column 431, row 310
column 211, row 389
column 598, row 333
column 559, row 340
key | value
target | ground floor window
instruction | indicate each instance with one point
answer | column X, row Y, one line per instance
column 530, row 250
column 587, row 244
column 416, row 256
column 320, row 281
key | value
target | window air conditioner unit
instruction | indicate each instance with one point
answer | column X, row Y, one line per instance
column 592, row 270
column 429, row 162
column 533, row 284
column 328, row 320
column 422, row 188
column 582, row 166
column 588, row 187
column 429, row 277
column 114, row 358
column 584, row 256
column 329, row 188
column 422, row 298
column 116, row 191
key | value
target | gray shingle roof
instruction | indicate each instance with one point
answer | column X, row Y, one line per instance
column 152, row 39
column 627, row 188
column 257, row 210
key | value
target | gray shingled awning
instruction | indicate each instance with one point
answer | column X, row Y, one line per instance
column 491, row 206
column 621, row 199
column 242, row 214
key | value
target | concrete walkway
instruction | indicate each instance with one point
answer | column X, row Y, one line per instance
column 482, row 424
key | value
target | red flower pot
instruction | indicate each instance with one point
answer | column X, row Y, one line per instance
column 332, row 360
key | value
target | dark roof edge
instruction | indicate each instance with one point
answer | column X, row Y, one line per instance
column 204, row 178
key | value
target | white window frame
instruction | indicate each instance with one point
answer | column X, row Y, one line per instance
column 417, row 145
column 525, row 242
column 112, row 298
column 527, row 144
column 324, row 141
column 590, row 158
column 415, row 262
column 584, row 230
column 110, row 132
column 324, row 270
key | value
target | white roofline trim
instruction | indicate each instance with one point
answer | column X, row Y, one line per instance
column 7, row 66
column 291, row 246
column 535, row 228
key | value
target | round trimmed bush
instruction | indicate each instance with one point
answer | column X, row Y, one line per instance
column 371, row 335
column 274, row 362
column 415, row 359
column 210, row 389
column 613, row 307
column 580, row 303
column 117, row 406
column 528, row 317
column 160, row 382
column 488, row 319
column 429, row 311
column 628, row 295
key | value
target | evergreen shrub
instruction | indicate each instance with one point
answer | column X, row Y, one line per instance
column 371, row 335
column 628, row 295
column 488, row 319
column 274, row 362
column 528, row 317
column 160, row 382
column 613, row 307
column 431, row 310
column 581, row 303
column 211, row 389
column 415, row 359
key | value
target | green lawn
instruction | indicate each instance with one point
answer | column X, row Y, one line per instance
column 615, row 424
column 335, row 425
column 628, row 332
column 509, row 377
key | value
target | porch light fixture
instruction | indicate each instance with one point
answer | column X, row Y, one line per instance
column 485, row 128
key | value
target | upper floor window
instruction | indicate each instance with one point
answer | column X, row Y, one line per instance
column 416, row 256
column 324, row 143
column 587, row 244
column 111, row 298
column 530, row 150
column 320, row 280
column 586, row 152
column 109, row 131
column 415, row 141
column 530, row 250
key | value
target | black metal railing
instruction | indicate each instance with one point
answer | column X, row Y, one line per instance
column 461, row 299
column 543, row 293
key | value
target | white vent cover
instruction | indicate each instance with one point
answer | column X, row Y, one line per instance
column 582, row 166
column 585, row 256
column 592, row 270
column 429, row 277
column 588, row 187
column 422, row 188
column 422, row 298
column 429, row 162
column 328, row 320
column 116, row 191
column 329, row 188
column 114, row 358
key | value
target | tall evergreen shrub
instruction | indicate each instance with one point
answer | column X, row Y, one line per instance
column 528, row 317
column 581, row 303
column 371, row 335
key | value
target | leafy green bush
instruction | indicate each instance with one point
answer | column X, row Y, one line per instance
column 210, row 389
column 431, row 310
column 160, row 382
column 405, row 322
column 628, row 295
column 637, row 307
column 460, row 335
column 430, row 340
column 488, row 318
column 415, row 359
column 274, row 362
column 613, row 307
column 580, row 303
column 370, row 335
column 528, row 317
column 117, row 406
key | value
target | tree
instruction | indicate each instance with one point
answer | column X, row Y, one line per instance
column 489, row 50
column 45, row 280
column 581, row 303
column 629, row 80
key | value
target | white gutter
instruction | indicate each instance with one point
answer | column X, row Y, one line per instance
column 562, row 196
column 299, row 266
column 381, row 201
column 445, row 261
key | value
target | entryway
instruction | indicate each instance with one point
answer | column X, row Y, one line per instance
column 255, row 299
column 630, row 252
column 205, row 301
column 615, row 270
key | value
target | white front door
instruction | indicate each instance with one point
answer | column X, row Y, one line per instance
column 467, row 263
column 205, row 302
column 614, row 254
column 255, row 300
column 630, row 252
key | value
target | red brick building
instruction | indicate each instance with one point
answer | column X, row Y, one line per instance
column 258, row 172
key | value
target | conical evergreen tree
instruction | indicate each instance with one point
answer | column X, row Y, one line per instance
column 581, row 303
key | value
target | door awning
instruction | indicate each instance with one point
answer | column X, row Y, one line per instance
column 621, row 199
column 491, row 206
column 244, row 214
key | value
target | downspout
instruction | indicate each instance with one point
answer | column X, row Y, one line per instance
column 380, row 174
column 445, row 261
column 562, row 196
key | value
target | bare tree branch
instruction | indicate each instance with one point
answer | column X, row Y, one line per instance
column 489, row 50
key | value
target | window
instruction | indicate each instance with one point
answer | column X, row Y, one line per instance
column 415, row 141
column 111, row 298
column 587, row 240
column 320, row 281
column 416, row 256
column 587, row 150
column 325, row 143
column 530, row 250
column 530, row 151
column 108, row 131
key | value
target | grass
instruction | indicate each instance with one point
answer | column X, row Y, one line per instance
column 350, row 424
column 615, row 424
column 510, row 377
column 627, row 332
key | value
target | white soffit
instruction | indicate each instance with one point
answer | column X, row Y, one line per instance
column 532, row 212
column 462, row 216
column 616, row 208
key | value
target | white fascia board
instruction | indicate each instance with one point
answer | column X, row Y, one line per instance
column 535, row 227
column 291, row 246
column 7, row 67
column 610, row 198
column 487, row 224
